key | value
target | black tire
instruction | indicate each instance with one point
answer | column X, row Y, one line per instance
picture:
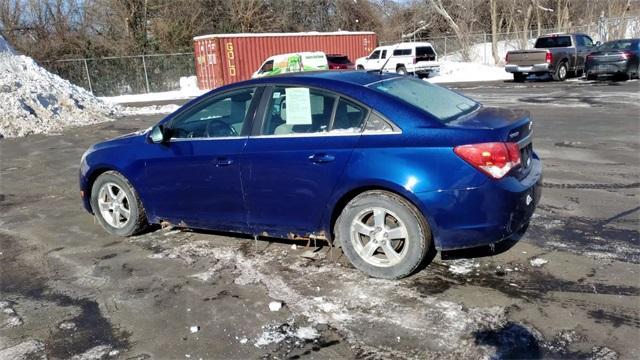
column 360, row 67
column 561, row 72
column 417, row 242
column 592, row 77
column 401, row 70
column 137, row 220
column 519, row 77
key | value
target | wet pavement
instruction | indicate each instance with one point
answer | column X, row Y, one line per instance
column 569, row 288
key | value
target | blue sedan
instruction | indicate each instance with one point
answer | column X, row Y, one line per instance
column 382, row 165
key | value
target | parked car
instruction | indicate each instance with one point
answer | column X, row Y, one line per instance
column 560, row 55
column 618, row 57
column 384, row 166
column 294, row 62
column 417, row 58
column 338, row 61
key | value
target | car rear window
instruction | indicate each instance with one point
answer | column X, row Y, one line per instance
column 617, row 45
column 444, row 104
column 553, row 42
column 424, row 50
column 338, row 59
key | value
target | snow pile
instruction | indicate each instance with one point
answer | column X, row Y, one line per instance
column 453, row 71
column 35, row 101
column 188, row 89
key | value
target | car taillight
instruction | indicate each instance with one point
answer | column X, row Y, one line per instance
column 495, row 159
column 589, row 57
column 506, row 58
column 626, row 55
column 549, row 57
column 331, row 66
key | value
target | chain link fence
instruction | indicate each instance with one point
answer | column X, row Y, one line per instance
column 112, row 76
column 477, row 47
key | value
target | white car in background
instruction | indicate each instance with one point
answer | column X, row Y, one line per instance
column 417, row 58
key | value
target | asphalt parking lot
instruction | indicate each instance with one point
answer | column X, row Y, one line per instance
column 569, row 288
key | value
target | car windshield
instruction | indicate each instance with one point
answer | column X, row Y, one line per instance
column 616, row 45
column 338, row 59
column 444, row 104
column 553, row 42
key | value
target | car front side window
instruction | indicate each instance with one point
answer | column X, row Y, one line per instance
column 375, row 55
column 222, row 116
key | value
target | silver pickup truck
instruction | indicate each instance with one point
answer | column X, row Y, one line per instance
column 560, row 55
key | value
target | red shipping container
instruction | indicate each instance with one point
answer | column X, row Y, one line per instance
column 226, row 58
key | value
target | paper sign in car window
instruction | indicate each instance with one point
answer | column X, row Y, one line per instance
column 298, row 106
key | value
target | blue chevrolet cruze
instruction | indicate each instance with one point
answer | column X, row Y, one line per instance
column 382, row 165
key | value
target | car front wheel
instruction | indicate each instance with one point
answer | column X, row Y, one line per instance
column 117, row 206
column 383, row 235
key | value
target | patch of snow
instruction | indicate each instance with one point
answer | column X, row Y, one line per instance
column 462, row 267
column 30, row 349
column 188, row 89
column 67, row 325
column 275, row 306
column 538, row 262
column 148, row 110
column 194, row 329
column 95, row 353
column 456, row 71
column 307, row 333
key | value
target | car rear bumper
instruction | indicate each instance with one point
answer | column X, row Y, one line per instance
column 527, row 69
column 607, row 68
column 424, row 68
column 483, row 215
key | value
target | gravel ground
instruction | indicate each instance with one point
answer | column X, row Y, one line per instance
column 569, row 288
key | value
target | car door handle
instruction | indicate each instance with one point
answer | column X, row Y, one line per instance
column 223, row 162
column 321, row 158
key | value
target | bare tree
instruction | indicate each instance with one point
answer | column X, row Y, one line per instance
column 453, row 25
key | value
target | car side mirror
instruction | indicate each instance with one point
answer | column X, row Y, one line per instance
column 159, row 135
column 598, row 43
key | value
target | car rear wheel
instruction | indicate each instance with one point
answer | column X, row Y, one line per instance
column 401, row 70
column 561, row 72
column 383, row 235
column 117, row 206
column 360, row 67
column 519, row 77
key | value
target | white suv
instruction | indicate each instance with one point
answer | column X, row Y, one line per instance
column 418, row 58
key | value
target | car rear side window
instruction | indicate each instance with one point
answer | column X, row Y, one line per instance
column 553, row 42
column 443, row 104
column 401, row 52
column 349, row 117
column 298, row 110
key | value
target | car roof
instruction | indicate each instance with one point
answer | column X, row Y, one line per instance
column 410, row 44
column 354, row 77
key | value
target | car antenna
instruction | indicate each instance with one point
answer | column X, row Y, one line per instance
column 388, row 58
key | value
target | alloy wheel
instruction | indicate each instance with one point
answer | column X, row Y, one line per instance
column 114, row 205
column 379, row 237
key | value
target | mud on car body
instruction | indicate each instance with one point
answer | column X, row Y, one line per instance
column 385, row 166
